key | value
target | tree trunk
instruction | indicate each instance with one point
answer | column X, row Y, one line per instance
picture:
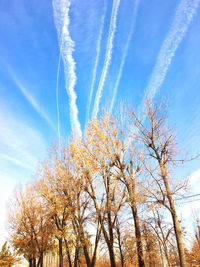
column 76, row 257
column 111, row 241
column 112, row 255
column 98, row 234
column 86, row 254
column 41, row 260
column 138, row 235
column 108, row 239
column 177, row 229
column 68, row 254
column 178, row 233
column 120, row 244
column 60, row 253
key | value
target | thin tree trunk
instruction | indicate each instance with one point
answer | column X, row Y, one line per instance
column 178, row 234
column 109, row 240
column 76, row 257
column 177, row 229
column 41, row 261
column 138, row 235
column 60, row 253
column 131, row 192
column 68, row 254
column 87, row 258
column 112, row 255
column 165, row 248
column 120, row 244
column 98, row 234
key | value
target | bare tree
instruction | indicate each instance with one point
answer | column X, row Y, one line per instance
column 158, row 140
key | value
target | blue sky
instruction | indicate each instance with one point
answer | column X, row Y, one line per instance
column 87, row 54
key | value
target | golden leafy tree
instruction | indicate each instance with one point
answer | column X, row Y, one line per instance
column 127, row 161
column 30, row 231
column 93, row 156
column 193, row 255
column 60, row 186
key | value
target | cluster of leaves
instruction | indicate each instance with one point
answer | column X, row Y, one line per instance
column 6, row 257
column 104, row 194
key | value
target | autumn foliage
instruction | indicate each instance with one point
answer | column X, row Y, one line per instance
column 100, row 200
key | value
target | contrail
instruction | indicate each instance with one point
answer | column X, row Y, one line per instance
column 62, row 20
column 57, row 98
column 183, row 17
column 135, row 11
column 180, row 24
column 32, row 101
column 34, row 104
column 108, row 56
column 16, row 161
column 96, row 62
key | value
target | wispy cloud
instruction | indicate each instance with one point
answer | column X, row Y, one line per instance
column 21, row 148
column 16, row 161
column 57, row 98
column 182, row 19
column 62, row 20
column 96, row 62
column 32, row 101
column 20, row 143
column 108, row 56
column 135, row 11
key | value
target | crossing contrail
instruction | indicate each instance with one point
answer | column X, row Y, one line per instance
column 62, row 20
column 17, row 161
column 57, row 99
column 108, row 56
column 182, row 19
column 135, row 11
column 96, row 62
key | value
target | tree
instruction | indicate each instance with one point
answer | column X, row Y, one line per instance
column 54, row 186
column 93, row 156
column 127, row 162
column 60, row 185
column 193, row 256
column 30, row 231
column 159, row 142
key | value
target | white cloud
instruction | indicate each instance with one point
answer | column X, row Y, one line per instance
column 62, row 21
column 194, row 179
column 108, row 56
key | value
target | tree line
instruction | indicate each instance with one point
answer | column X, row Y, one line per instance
column 102, row 200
